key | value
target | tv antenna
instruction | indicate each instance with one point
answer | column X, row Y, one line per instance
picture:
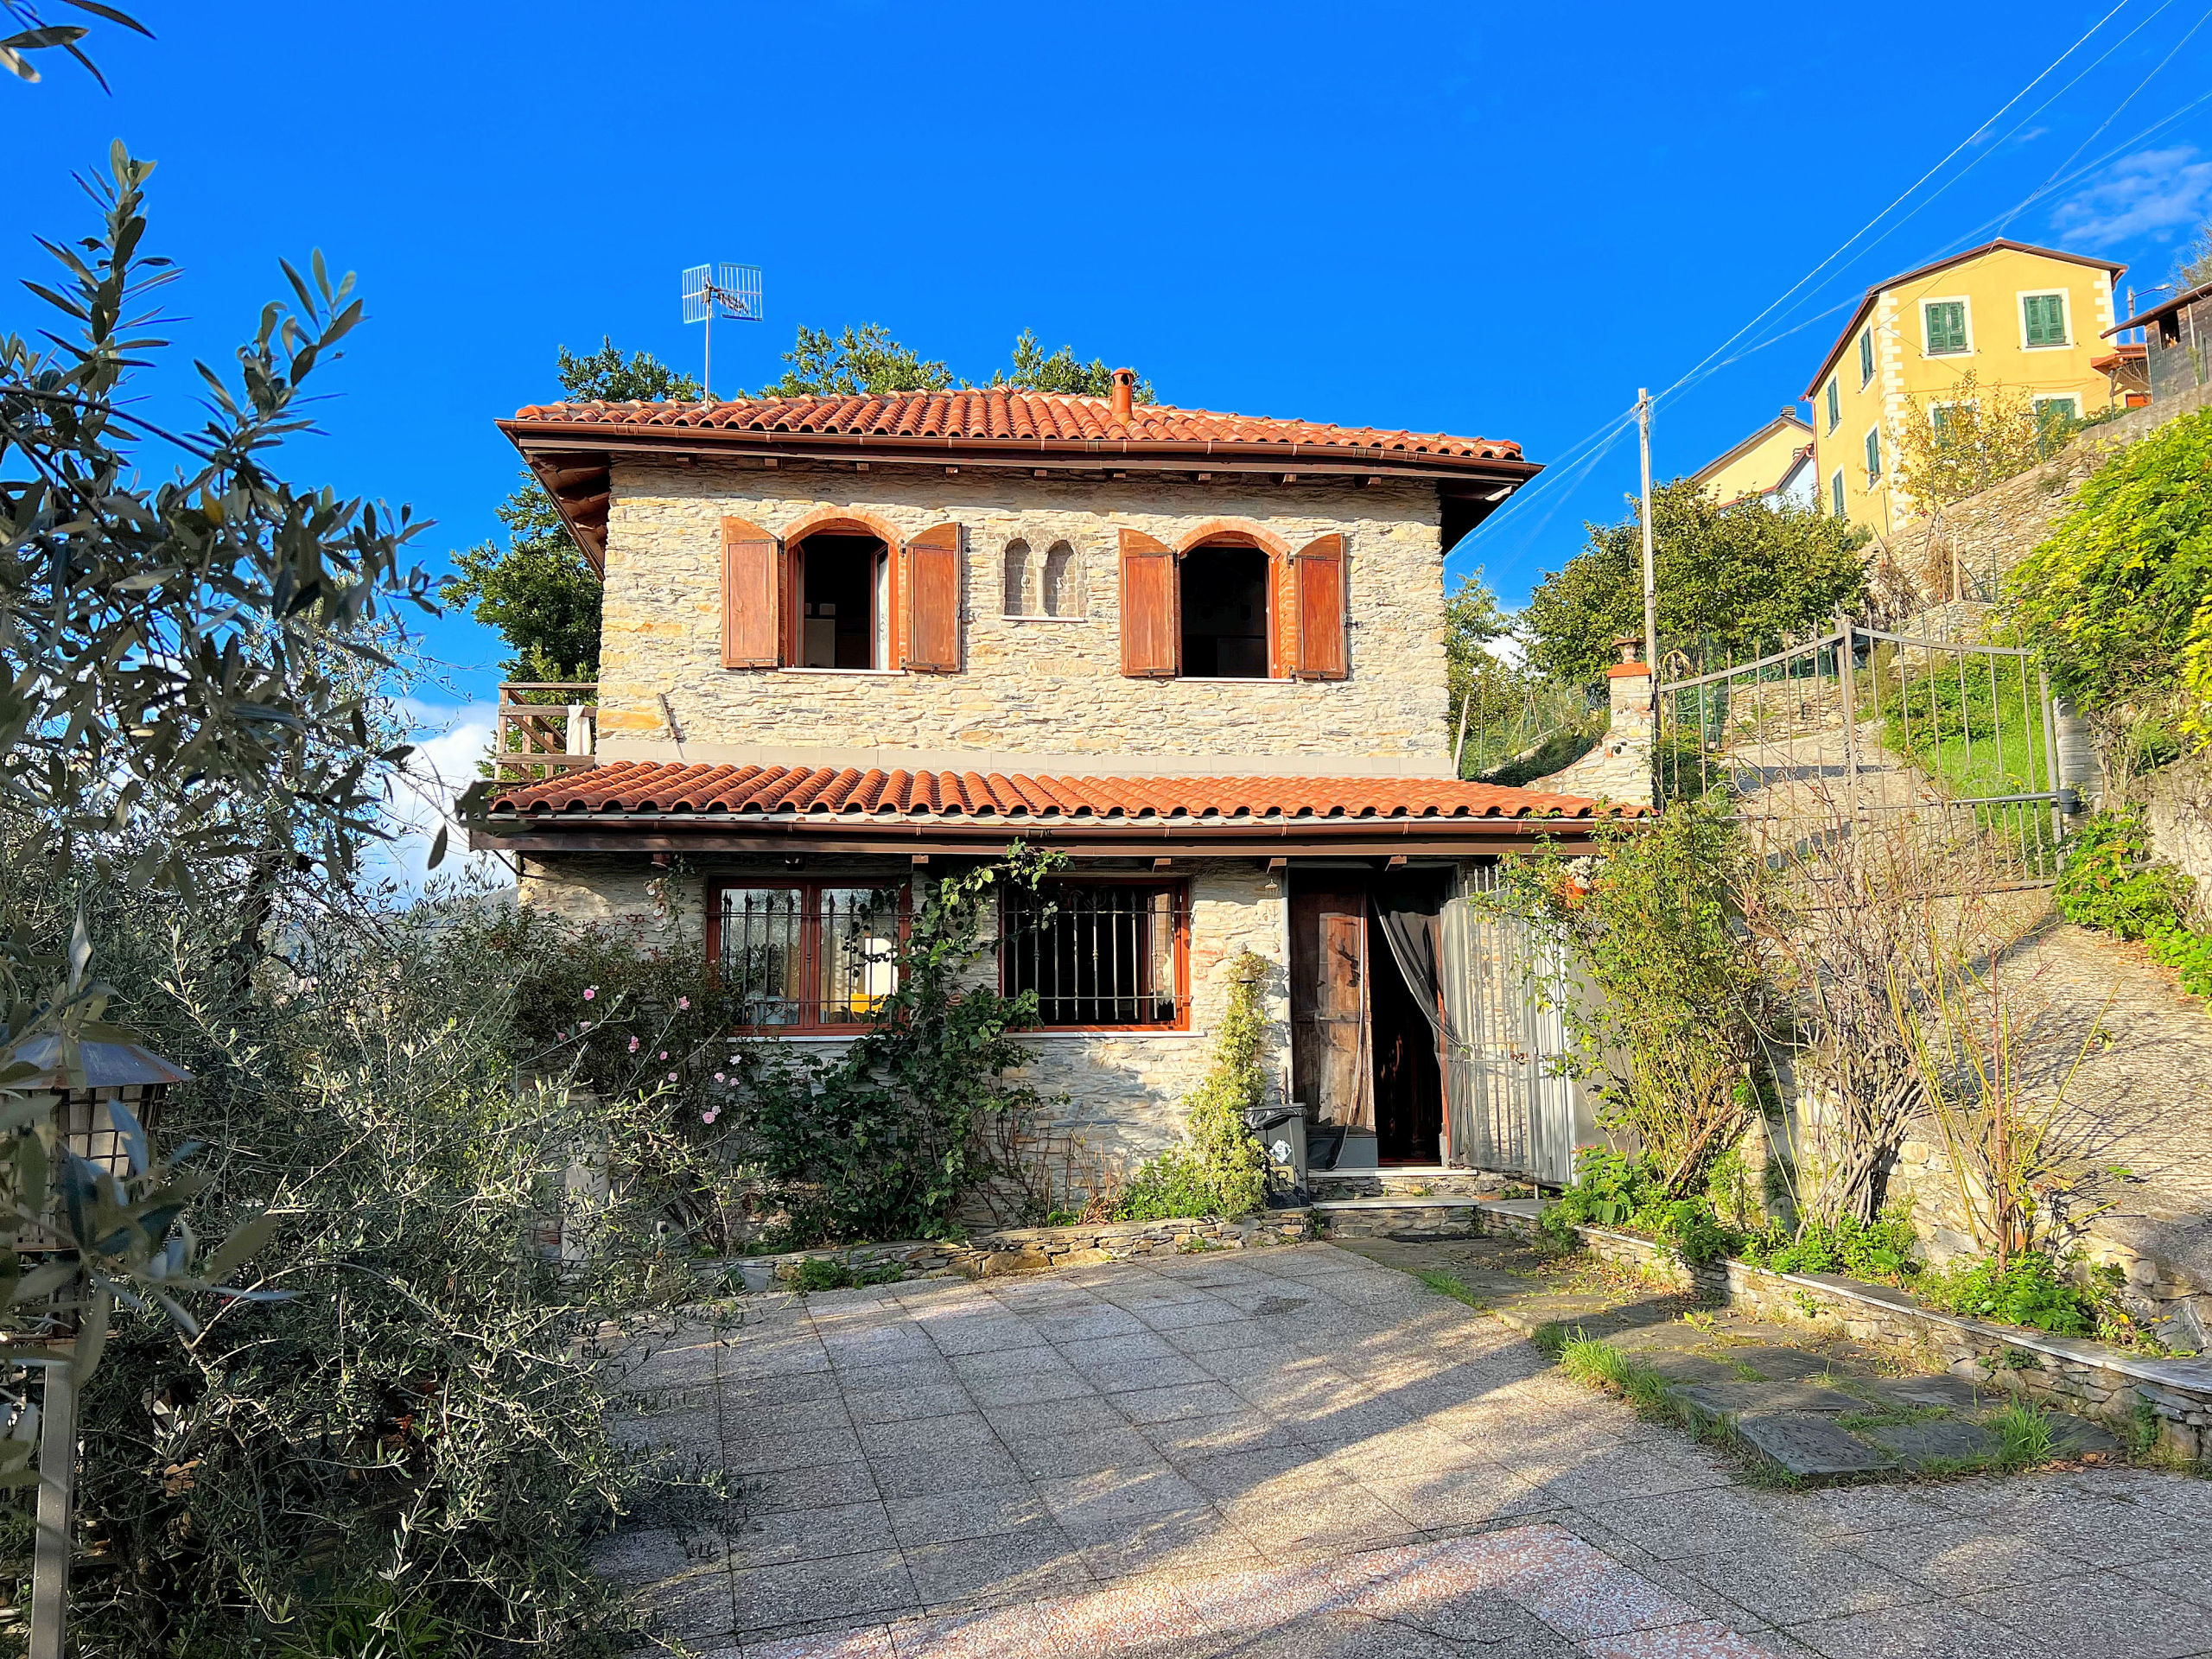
column 732, row 292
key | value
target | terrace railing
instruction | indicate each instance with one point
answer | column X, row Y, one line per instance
column 545, row 728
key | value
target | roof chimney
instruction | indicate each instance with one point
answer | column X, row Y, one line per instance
column 1125, row 393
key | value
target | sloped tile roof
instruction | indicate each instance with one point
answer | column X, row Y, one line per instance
column 632, row 787
column 1008, row 414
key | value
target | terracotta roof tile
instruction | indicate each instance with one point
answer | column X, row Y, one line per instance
column 633, row 786
column 1009, row 413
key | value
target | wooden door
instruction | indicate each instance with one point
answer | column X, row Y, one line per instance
column 1329, row 1005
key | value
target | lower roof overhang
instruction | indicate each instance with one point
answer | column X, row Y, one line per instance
column 1164, row 837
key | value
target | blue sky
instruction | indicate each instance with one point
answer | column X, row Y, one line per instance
column 1499, row 222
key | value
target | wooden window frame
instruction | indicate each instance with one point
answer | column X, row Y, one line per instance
column 810, row 942
column 1181, row 887
column 1281, row 655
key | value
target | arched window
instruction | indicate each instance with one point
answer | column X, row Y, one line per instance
column 1017, row 578
column 1223, row 603
column 1059, row 587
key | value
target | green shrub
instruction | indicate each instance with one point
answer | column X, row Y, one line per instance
column 2029, row 1290
column 881, row 1141
column 2112, row 599
column 2109, row 881
column 1878, row 1251
column 823, row 1272
column 1218, row 1169
column 1614, row 1191
column 2186, row 951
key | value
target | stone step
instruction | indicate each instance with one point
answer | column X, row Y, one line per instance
column 1411, row 1181
column 1436, row 1218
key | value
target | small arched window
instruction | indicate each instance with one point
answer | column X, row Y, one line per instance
column 1017, row 579
column 1059, row 586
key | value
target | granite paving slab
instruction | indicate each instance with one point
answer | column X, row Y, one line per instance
column 1404, row 1476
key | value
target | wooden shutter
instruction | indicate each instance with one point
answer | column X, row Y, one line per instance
column 753, row 596
column 1151, row 630
column 1319, row 574
column 933, row 601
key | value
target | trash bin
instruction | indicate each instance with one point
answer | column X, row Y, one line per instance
column 1281, row 1132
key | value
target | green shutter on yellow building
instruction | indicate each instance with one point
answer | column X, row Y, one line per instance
column 1946, row 327
column 2045, row 317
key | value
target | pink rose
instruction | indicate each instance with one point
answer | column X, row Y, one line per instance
column 718, row 1077
column 683, row 1004
column 708, row 1116
column 590, row 991
column 663, row 1053
column 633, row 1044
column 671, row 1076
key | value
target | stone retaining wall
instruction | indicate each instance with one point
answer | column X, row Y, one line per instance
column 1038, row 1249
column 2089, row 1377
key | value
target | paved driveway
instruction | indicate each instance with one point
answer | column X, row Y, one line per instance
column 1298, row 1452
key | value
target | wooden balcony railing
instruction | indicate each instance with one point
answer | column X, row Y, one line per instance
column 545, row 728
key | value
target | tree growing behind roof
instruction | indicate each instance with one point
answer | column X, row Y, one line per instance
column 1731, row 579
column 539, row 592
column 541, row 595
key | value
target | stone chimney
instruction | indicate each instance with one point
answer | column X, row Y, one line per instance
column 1619, row 768
column 1125, row 393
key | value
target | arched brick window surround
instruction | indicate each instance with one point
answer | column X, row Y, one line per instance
column 1282, row 610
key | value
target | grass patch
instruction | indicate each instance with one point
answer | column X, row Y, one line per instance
column 2026, row 1434
column 1891, row 1416
column 1589, row 1359
column 1445, row 1284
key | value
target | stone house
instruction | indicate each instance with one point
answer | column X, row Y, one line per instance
column 851, row 640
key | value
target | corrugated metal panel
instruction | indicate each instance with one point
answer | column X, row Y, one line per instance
column 1513, row 1108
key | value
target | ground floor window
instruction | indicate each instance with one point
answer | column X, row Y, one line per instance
column 1114, row 955
column 803, row 956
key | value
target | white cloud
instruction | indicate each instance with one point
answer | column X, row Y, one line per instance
column 1508, row 648
column 2155, row 194
column 448, row 743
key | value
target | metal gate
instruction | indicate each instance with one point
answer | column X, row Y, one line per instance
column 1511, row 1104
column 1948, row 749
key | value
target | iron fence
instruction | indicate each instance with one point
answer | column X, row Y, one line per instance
column 1947, row 747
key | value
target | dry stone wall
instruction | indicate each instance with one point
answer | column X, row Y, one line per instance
column 1032, row 693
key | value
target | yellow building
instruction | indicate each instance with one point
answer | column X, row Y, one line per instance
column 1774, row 464
column 2028, row 319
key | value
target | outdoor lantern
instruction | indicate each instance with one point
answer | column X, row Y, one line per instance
column 113, row 1073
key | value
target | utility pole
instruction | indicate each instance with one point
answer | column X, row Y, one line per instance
column 1651, row 578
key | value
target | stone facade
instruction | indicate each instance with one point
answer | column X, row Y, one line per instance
column 1117, row 1093
column 1619, row 768
column 1120, row 1092
column 1034, row 694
